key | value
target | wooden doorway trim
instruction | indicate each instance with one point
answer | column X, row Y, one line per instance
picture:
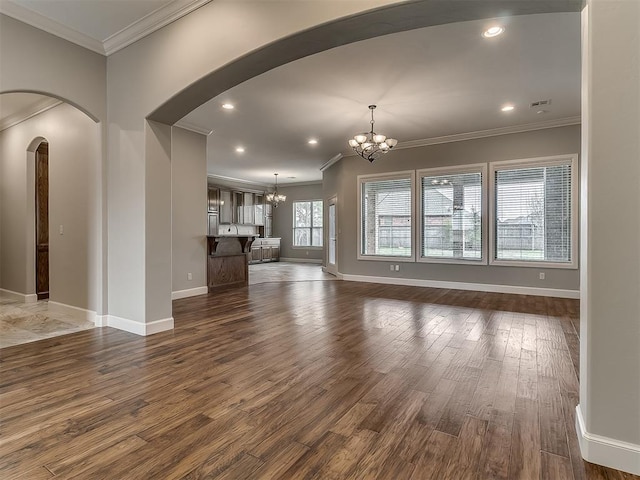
column 42, row 220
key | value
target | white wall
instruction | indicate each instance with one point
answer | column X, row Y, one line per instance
column 74, row 202
column 188, row 209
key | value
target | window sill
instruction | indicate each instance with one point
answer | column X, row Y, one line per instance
column 534, row 264
column 453, row 261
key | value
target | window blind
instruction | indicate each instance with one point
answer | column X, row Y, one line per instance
column 533, row 214
column 452, row 216
column 386, row 217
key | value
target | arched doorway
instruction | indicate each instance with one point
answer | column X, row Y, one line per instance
column 42, row 220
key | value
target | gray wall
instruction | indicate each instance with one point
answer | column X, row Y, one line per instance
column 188, row 208
column 283, row 221
column 610, row 267
column 341, row 179
column 74, row 202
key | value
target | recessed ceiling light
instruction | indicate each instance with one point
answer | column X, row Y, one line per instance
column 228, row 106
column 313, row 141
column 507, row 108
column 493, row 31
column 240, row 149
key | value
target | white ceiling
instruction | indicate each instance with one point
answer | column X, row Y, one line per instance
column 431, row 82
column 99, row 19
column 428, row 83
column 104, row 26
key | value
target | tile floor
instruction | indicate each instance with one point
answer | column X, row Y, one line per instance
column 286, row 272
column 28, row 322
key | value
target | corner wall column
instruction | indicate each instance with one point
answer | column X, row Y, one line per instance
column 608, row 416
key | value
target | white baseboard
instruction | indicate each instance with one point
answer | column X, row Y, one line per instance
column 607, row 451
column 19, row 297
column 139, row 328
column 191, row 292
column 477, row 287
column 75, row 312
column 301, row 260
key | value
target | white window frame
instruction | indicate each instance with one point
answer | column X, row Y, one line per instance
column 458, row 169
column 406, row 174
column 572, row 160
column 293, row 229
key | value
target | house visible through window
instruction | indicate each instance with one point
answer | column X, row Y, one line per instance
column 452, row 213
column 307, row 223
column 385, row 213
column 534, row 211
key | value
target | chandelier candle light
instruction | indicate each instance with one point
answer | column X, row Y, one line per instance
column 371, row 145
column 276, row 198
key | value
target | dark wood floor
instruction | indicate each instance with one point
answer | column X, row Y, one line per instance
column 323, row 380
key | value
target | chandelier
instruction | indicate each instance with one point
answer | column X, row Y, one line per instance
column 275, row 198
column 371, row 145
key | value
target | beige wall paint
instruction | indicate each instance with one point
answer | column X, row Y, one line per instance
column 36, row 61
column 142, row 77
column 74, row 202
column 610, row 305
column 283, row 221
column 341, row 179
column 188, row 209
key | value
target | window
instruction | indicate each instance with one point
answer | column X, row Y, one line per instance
column 307, row 223
column 452, row 214
column 534, row 212
column 386, row 208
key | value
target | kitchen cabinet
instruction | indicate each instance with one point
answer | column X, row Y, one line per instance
column 258, row 209
column 249, row 214
column 265, row 250
column 238, row 207
column 212, row 224
column 214, row 200
column 226, row 207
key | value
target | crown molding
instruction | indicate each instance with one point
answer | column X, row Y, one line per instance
column 150, row 23
column 193, row 128
column 237, row 180
column 128, row 35
column 33, row 110
column 13, row 10
column 331, row 161
column 461, row 137
column 493, row 132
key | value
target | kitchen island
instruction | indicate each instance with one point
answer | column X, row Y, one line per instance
column 228, row 260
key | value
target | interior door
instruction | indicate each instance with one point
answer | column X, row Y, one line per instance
column 332, row 240
column 42, row 221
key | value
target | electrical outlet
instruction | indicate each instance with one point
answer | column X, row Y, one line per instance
column 189, row 276
column 61, row 230
column 391, row 268
column 542, row 276
column 397, row 268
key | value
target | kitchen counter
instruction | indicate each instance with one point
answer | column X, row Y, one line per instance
column 228, row 260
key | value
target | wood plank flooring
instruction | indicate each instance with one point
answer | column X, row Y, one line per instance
column 306, row 380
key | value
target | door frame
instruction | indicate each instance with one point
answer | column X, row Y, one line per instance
column 329, row 267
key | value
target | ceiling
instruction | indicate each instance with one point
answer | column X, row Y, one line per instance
column 428, row 83
column 431, row 85
column 104, row 26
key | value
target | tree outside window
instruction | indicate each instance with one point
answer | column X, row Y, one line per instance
column 307, row 223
